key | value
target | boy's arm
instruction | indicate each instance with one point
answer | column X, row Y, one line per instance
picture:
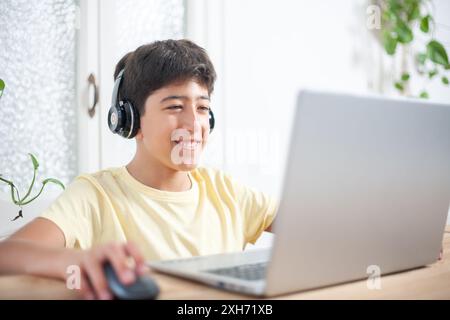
column 32, row 249
column 39, row 249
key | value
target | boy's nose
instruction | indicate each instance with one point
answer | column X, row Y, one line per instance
column 189, row 120
column 194, row 127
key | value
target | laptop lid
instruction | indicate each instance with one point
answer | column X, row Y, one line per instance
column 367, row 185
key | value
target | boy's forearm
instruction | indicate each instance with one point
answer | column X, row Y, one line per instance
column 25, row 257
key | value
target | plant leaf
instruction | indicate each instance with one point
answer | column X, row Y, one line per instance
column 399, row 86
column 425, row 24
column 432, row 73
column 414, row 12
column 405, row 76
column 404, row 33
column 35, row 162
column 55, row 181
column 444, row 80
column 395, row 6
column 424, row 95
column 12, row 195
column 436, row 53
column 13, row 187
column 2, row 87
column 389, row 43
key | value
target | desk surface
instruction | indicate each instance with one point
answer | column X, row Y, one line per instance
column 430, row 282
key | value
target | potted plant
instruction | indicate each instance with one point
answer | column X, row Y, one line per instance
column 16, row 198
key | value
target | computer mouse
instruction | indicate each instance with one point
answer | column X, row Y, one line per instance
column 144, row 287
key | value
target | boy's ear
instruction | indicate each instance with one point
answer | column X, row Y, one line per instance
column 139, row 135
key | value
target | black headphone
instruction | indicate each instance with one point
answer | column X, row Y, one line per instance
column 123, row 117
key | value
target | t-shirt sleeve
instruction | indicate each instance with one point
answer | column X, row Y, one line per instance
column 74, row 212
column 258, row 208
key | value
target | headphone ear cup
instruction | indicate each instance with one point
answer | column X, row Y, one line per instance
column 212, row 121
column 116, row 117
column 132, row 120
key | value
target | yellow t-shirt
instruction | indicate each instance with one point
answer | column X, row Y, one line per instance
column 216, row 215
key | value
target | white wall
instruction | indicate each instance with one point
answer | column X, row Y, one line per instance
column 266, row 51
column 271, row 49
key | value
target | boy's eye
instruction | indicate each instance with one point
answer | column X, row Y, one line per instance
column 204, row 108
column 175, row 107
column 180, row 107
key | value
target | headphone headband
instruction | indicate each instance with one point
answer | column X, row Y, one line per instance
column 115, row 94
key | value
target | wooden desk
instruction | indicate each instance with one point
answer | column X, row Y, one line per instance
column 430, row 282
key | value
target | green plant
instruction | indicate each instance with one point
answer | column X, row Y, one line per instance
column 400, row 19
column 21, row 201
column 2, row 87
column 15, row 195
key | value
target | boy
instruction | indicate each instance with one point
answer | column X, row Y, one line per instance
column 160, row 205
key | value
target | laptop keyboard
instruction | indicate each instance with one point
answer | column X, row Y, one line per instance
column 251, row 272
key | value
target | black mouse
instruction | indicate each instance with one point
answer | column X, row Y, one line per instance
column 143, row 288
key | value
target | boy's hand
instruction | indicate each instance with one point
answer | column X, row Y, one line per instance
column 93, row 280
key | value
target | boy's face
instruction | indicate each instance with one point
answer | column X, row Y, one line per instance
column 175, row 125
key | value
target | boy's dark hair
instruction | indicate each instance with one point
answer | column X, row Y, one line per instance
column 160, row 63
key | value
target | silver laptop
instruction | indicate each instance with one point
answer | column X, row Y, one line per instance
column 367, row 185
